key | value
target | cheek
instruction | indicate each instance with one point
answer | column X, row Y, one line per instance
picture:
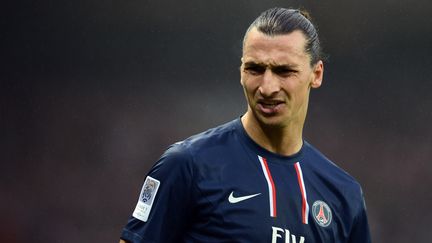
column 244, row 77
column 301, row 96
column 249, row 85
column 249, row 92
column 295, row 91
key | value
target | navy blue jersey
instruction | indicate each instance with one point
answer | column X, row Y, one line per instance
column 220, row 186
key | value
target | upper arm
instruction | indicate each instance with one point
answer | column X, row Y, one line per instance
column 167, row 205
column 360, row 232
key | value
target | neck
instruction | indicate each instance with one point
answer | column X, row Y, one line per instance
column 284, row 140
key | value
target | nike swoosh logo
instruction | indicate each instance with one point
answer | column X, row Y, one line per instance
column 233, row 199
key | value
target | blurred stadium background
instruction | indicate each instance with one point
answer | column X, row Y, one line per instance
column 92, row 92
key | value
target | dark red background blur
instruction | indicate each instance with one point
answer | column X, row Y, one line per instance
column 92, row 92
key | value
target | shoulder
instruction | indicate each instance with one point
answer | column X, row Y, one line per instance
column 336, row 177
column 319, row 161
column 204, row 143
column 339, row 189
column 207, row 140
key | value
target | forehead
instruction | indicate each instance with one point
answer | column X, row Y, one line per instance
column 278, row 49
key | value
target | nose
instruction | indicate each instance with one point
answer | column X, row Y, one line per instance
column 270, row 84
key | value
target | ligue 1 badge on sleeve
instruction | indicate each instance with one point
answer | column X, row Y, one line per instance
column 146, row 199
column 321, row 213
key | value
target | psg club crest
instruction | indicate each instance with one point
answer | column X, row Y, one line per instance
column 321, row 213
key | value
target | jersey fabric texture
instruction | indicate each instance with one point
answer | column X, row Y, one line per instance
column 220, row 186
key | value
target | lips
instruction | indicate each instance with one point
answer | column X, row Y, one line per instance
column 270, row 107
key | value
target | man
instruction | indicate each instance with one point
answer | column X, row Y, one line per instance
column 255, row 179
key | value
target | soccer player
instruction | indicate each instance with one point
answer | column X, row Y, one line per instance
column 255, row 179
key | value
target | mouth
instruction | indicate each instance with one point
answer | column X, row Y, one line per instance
column 270, row 107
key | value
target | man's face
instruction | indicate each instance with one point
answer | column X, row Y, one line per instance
column 276, row 76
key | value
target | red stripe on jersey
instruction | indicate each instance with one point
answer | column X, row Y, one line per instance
column 305, row 205
column 271, row 186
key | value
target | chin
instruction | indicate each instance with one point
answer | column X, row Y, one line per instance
column 270, row 121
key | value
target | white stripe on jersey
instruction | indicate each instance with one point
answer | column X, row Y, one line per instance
column 270, row 185
column 305, row 205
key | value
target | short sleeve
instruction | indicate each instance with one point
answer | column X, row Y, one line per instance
column 165, row 203
column 360, row 232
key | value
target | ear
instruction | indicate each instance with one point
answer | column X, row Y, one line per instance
column 318, row 73
column 241, row 71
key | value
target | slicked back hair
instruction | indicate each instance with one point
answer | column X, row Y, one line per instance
column 280, row 21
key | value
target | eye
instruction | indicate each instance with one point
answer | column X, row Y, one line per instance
column 254, row 69
column 283, row 71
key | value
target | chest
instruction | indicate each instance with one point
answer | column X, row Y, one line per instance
column 257, row 200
